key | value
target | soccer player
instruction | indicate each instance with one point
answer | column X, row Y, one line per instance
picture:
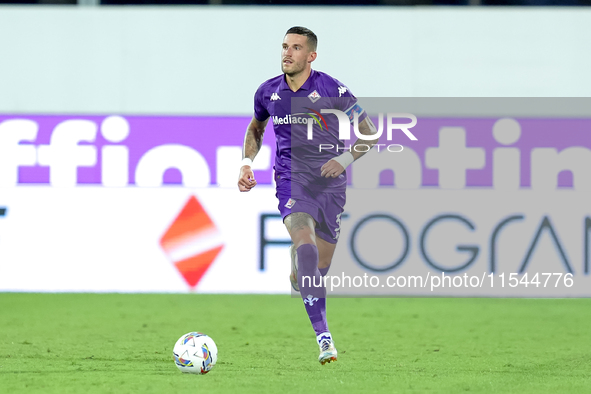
column 310, row 184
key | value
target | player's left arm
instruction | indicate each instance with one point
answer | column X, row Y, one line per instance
column 335, row 166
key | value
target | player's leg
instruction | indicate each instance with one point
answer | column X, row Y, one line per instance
column 301, row 227
column 325, row 253
column 304, row 251
column 328, row 352
column 327, row 234
column 303, row 215
column 293, row 275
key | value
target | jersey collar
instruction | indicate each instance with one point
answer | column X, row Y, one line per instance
column 305, row 86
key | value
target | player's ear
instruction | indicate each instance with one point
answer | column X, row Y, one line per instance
column 312, row 57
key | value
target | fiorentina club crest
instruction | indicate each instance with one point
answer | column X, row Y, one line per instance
column 290, row 203
column 314, row 96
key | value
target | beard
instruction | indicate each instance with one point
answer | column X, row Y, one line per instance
column 294, row 68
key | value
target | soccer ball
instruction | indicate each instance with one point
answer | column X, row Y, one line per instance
column 195, row 353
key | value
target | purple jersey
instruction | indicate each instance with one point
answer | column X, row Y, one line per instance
column 297, row 158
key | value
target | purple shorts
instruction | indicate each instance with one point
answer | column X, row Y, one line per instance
column 325, row 208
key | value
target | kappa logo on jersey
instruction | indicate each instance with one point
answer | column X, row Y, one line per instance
column 275, row 97
column 314, row 96
column 290, row 203
column 342, row 90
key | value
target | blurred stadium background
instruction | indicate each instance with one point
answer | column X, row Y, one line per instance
column 121, row 125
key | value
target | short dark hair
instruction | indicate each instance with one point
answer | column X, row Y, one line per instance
column 303, row 31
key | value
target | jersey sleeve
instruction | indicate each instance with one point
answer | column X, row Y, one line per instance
column 260, row 111
column 347, row 103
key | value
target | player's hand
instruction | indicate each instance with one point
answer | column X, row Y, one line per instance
column 331, row 169
column 246, row 180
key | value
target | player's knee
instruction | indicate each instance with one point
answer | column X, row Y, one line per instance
column 301, row 228
column 299, row 220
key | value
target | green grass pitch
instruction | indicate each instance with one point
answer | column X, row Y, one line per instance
column 122, row 343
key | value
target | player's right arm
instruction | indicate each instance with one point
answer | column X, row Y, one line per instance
column 253, row 140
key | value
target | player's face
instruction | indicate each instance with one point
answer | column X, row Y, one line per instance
column 295, row 55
